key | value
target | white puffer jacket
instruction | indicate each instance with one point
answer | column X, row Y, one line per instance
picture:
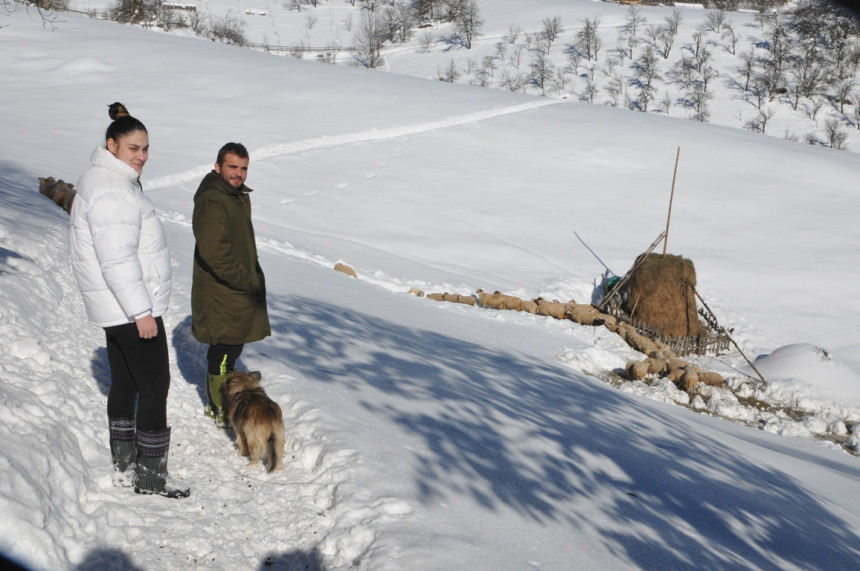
column 117, row 245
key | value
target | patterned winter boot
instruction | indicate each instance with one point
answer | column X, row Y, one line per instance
column 123, row 451
column 152, row 476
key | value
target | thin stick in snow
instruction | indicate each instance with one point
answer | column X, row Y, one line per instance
column 671, row 198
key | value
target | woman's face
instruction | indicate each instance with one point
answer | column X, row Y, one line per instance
column 131, row 148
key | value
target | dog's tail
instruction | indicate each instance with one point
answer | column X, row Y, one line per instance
column 273, row 456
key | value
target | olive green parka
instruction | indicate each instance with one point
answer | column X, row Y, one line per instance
column 228, row 291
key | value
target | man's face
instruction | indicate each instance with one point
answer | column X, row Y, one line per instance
column 234, row 170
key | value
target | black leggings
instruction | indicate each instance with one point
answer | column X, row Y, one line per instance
column 139, row 371
column 221, row 358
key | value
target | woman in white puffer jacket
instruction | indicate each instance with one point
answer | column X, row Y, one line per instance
column 119, row 256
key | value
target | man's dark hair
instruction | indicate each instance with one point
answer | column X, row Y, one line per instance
column 237, row 149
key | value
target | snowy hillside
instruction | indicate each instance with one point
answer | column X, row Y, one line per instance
column 684, row 62
column 427, row 435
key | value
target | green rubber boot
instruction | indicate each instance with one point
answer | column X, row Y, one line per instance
column 215, row 400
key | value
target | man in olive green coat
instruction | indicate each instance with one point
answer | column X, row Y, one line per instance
column 228, row 292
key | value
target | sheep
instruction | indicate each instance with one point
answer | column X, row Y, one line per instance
column 584, row 314
column 711, row 378
column 689, row 380
column 61, row 192
column 551, row 308
column 457, row 298
column 498, row 300
column 656, row 366
column 675, row 372
column 343, row 268
column 636, row 370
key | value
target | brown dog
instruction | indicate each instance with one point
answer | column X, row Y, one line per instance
column 256, row 419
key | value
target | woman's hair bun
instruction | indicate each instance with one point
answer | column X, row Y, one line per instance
column 117, row 110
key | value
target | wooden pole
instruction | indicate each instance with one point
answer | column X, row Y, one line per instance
column 626, row 277
column 760, row 376
column 671, row 198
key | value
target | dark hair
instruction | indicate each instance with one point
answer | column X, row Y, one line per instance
column 123, row 123
column 237, row 149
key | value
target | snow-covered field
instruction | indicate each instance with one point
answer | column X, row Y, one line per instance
column 425, row 435
column 506, row 50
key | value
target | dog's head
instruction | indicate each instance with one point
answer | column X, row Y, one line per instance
column 239, row 381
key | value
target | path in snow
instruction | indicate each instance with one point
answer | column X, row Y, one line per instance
column 329, row 142
column 55, row 390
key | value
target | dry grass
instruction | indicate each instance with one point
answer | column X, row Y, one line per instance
column 660, row 295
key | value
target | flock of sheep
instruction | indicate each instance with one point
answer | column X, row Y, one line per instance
column 660, row 360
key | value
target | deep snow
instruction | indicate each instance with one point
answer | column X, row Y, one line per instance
column 426, row 435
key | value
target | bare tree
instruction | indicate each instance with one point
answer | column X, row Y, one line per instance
column 513, row 34
column 562, row 79
column 856, row 101
column 843, row 93
column 666, row 102
column 759, row 123
column 310, row 20
column 426, row 41
column 759, row 88
column 777, row 45
column 747, row 68
column 624, row 47
column 588, row 39
column 511, row 82
column 450, row 74
column 467, row 20
column 667, row 40
column 488, row 63
column 808, row 73
column 731, row 35
column 633, row 20
column 574, row 60
column 674, row 21
column 714, row 21
column 615, row 88
column 699, row 95
column 685, row 69
column 516, row 56
column 590, row 90
column 552, row 28
column 816, row 105
column 427, row 10
column 368, row 39
column 698, row 44
column 646, row 71
column 501, row 50
column 399, row 21
column 482, row 78
column 836, row 137
column 652, row 32
column 542, row 71
column 134, row 11
column 230, row 29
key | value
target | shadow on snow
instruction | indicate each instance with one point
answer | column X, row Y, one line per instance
column 553, row 445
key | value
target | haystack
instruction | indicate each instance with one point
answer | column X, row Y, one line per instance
column 659, row 295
